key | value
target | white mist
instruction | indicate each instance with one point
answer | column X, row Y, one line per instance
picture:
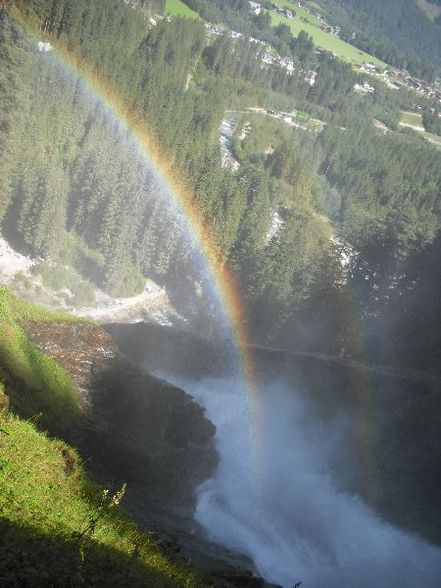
column 286, row 511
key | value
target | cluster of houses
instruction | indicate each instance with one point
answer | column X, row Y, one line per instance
column 283, row 11
column 364, row 88
column 397, row 79
column 332, row 30
column 268, row 57
column 213, row 29
column 274, row 60
column 256, row 8
column 394, row 78
column 401, row 78
column 370, row 68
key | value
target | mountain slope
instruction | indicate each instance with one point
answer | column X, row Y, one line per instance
column 58, row 528
column 396, row 31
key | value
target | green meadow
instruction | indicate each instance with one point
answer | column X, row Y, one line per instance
column 303, row 21
column 50, row 392
column 178, row 8
column 412, row 118
column 300, row 12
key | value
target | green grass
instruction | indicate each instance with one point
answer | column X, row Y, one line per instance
column 313, row 124
column 56, row 527
column 340, row 48
column 300, row 12
column 178, row 8
column 412, row 118
column 59, row 529
column 23, row 311
column 36, row 384
column 434, row 139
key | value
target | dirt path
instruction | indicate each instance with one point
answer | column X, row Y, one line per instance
column 417, row 128
column 152, row 304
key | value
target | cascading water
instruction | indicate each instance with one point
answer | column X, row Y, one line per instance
column 287, row 511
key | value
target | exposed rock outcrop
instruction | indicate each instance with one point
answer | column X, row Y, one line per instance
column 83, row 350
column 138, row 429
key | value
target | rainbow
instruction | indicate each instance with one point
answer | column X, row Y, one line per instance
column 222, row 280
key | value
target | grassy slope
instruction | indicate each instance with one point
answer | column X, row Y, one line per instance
column 58, row 529
column 35, row 383
column 321, row 38
column 178, row 8
column 300, row 12
column 412, row 118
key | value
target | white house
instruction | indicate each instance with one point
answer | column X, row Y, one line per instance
column 44, row 47
column 288, row 64
column 255, row 7
column 364, row 88
column 311, row 77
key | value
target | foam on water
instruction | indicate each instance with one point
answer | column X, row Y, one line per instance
column 290, row 516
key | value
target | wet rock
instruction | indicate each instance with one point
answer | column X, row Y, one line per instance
column 83, row 350
column 152, row 436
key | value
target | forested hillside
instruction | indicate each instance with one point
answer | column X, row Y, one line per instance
column 74, row 189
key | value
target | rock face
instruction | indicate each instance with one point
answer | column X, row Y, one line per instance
column 152, row 436
column 137, row 429
column 83, row 350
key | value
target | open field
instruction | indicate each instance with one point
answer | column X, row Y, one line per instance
column 300, row 12
column 413, row 120
column 321, row 38
column 313, row 124
column 178, row 8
